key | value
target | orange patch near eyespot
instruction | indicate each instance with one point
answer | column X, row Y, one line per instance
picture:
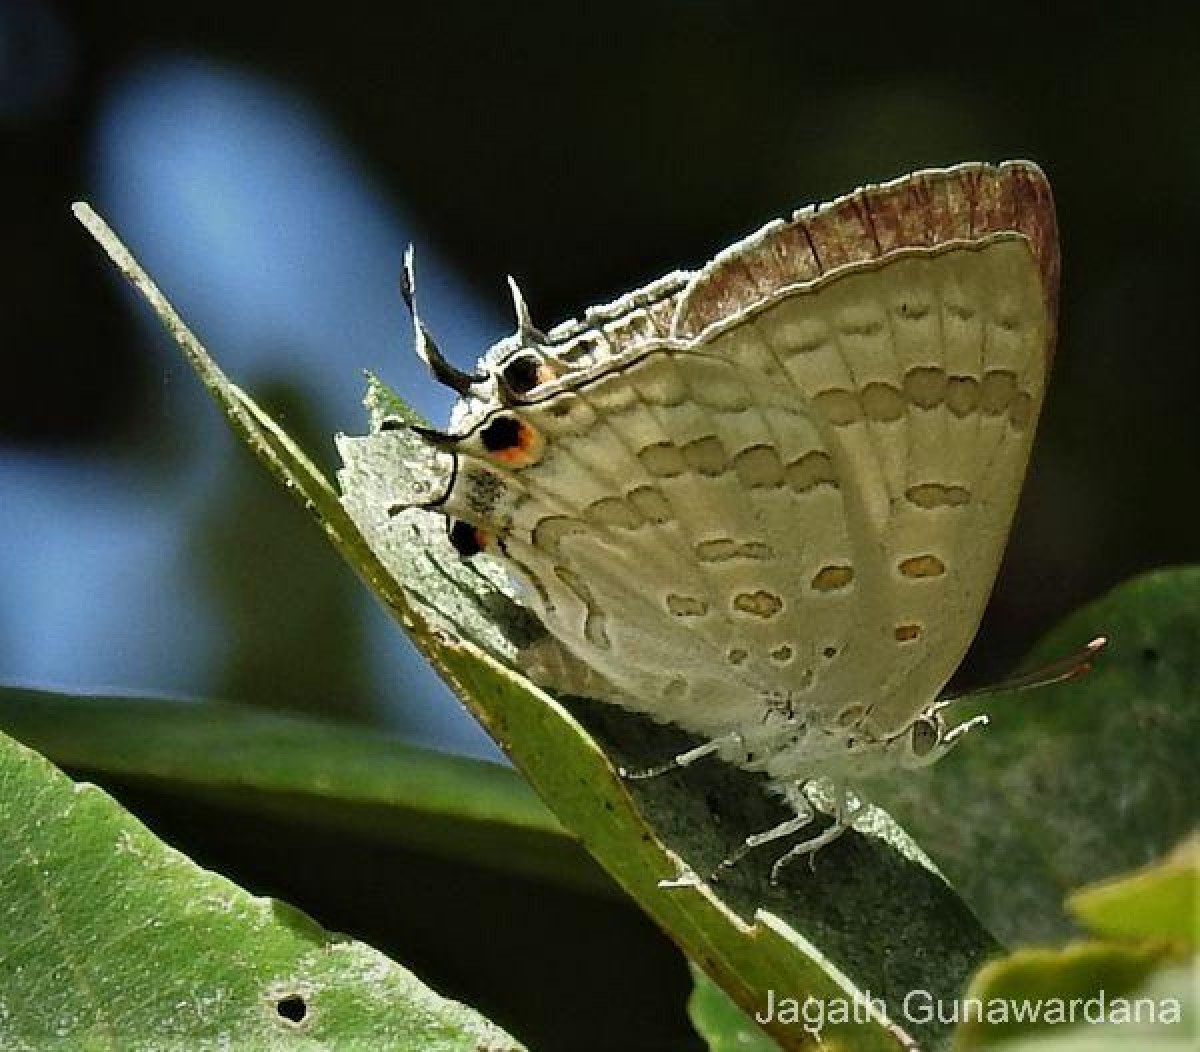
column 528, row 449
column 512, row 442
column 907, row 633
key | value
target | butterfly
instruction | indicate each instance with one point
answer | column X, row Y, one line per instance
column 766, row 500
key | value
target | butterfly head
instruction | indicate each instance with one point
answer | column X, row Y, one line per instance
column 919, row 744
column 928, row 738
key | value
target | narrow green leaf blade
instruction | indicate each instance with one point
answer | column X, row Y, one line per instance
column 724, row 1026
column 312, row 772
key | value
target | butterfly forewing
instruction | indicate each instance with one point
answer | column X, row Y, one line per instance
column 923, row 374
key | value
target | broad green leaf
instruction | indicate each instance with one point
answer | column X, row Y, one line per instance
column 724, row 1026
column 1041, row 980
column 111, row 940
column 1160, row 901
column 1159, row 1017
column 1094, row 984
column 317, row 773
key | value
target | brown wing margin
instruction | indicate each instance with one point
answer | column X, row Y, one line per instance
column 924, row 209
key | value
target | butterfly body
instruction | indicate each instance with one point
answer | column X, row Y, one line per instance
column 767, row 500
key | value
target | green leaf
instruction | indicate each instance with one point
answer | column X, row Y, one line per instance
column 113, row 941
column 316, row 773
column 724, row 1026
column 1046, row 978
column 1073, row 783
column 1158, row 1017
column 1160, row 901
column 1097, row 984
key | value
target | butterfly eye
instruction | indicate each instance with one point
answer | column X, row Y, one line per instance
column 925, row 736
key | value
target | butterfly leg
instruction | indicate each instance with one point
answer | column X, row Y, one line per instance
column 796, row 798
column 685, row 759
column 842, row 820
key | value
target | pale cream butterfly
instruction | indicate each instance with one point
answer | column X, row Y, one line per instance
column 767, row 500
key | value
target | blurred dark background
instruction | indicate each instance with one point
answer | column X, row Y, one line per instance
column 270, row 162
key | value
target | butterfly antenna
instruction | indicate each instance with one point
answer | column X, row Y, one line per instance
column 443, row 371
column 1061, row 670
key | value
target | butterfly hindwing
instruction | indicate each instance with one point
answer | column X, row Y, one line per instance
column 692, row 476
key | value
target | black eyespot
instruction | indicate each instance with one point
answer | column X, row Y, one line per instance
column 924, row 736
column 391, row 423
column 502, row 433
column 521, row 373
column 465, row 538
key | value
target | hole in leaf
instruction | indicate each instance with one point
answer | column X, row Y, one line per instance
column 293, row 1008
